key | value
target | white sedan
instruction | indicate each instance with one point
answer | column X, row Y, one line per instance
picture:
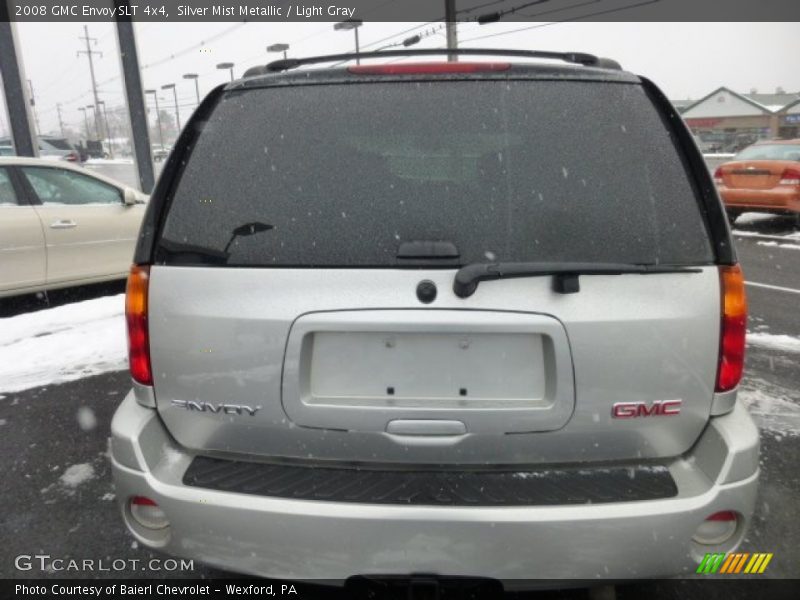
column 61, row 225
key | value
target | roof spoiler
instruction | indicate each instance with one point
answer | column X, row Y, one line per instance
column 579, row 58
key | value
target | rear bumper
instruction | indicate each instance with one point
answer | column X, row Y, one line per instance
column 776, row 199
column 303, row 539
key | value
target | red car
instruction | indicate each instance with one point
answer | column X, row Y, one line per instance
column 764, row 177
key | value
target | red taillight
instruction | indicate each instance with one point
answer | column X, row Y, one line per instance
column 429, row 68
column 790, row 176
column 717, row 529
column 136, row 317
column 142, row 501
column 147, row 514
column 718, row 176
column 725, row 515
column 734, row 324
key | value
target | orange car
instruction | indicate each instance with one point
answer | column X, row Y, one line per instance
column 764, row 177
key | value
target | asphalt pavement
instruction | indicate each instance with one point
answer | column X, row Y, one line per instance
column 42, row 443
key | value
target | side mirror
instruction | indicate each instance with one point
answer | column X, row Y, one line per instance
column 130, row 197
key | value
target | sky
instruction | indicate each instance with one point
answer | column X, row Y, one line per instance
column 687, row 60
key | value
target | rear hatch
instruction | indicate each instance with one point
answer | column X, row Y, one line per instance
column 290, row 296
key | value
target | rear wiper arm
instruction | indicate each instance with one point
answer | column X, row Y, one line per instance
column 566, row 280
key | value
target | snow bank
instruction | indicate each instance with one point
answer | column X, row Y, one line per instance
column 777, row 245
column 776, row 409
column 770, row 341
column 108, row 161
column 62, row 344
column 755, row 217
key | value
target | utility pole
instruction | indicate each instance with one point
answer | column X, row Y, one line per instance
column 450, row 24
column 158, row 116
column 85, row 121
column 89, row 52
column 137, row 111
column 108, row 130
column 16, row 101
column 33, row 108
column 60, row 121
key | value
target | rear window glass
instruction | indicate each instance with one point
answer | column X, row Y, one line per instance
column 770, row 152
column 59, row 143
column 342, row 175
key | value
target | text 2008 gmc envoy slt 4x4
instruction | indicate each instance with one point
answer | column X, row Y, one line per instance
column 464, row 319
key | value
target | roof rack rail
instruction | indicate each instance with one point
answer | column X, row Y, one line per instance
column 580, row 58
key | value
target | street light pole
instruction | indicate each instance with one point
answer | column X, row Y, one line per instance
column 450, row 25
column 171, row 86
column 353, row 24
column 85, row 120
column 196, row 84
column 108, row 129
column 96, row 130
column 158, row 116
column 278, row 48
column 226, row 65
column 60, row 120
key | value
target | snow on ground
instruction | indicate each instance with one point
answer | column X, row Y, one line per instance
column 770, row 341
column 76, row 475
column 777, row 245
column 62, row 344
column 775, row 408
column 749, row 218
column 108, row 161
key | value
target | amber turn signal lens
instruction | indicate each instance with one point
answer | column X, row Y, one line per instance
column 733, row 328
column 136, row 319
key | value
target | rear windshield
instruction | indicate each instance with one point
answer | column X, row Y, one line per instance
column 58, row 143
column 770, row 152
column 342, row 175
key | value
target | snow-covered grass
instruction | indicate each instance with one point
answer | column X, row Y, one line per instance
column 770, row 341
column 62, row 344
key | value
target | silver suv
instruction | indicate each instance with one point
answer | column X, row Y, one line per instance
column 464, row 319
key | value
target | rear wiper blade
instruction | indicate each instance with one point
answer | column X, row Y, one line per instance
column 566, row 281
column 182, row 252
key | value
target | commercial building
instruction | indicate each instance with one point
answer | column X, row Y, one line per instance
column 726, row 121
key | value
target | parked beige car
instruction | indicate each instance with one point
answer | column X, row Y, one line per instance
column 61, row 225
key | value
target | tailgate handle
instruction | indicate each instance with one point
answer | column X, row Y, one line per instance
column 426, row 427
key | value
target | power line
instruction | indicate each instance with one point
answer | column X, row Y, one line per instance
column 479, row 6
column 560, row 9
column 497, row 15
column 578, row 18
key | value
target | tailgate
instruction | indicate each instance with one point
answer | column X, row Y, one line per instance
column 540, row 371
